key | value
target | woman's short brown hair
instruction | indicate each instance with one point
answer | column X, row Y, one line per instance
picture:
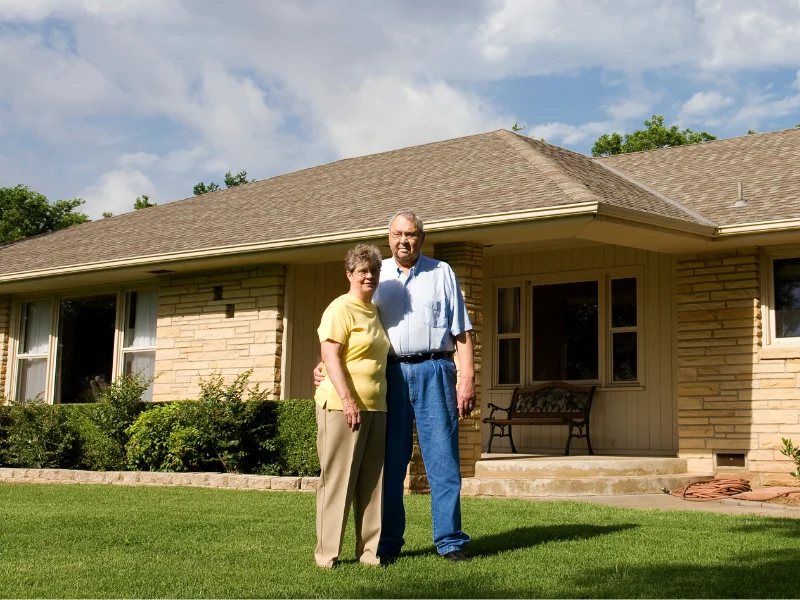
column 363, row 254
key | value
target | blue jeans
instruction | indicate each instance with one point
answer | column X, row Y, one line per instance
column 426, row 392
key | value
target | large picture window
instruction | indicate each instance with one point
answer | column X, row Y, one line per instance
column 583, row 330
column 68, row 349
column 565, row 332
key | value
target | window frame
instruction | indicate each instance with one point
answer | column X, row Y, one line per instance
column 768, row 321
column 603, row 277
column 523, row 324
column 55, row 298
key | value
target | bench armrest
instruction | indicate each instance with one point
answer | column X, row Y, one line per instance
column 494, row 407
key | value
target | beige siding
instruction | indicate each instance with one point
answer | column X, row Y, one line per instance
column 310, row 289
column 640, row 420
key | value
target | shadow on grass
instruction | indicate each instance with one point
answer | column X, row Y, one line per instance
column 786, row 527
column 528, row 537
column 770, row 574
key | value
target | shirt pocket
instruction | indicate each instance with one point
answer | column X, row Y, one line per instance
column 434, row 315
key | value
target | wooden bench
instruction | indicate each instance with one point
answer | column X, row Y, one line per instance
column 554, row 403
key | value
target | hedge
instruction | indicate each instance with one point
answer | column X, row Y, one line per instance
column 220, row 431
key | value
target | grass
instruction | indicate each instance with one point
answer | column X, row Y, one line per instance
column 103, row 541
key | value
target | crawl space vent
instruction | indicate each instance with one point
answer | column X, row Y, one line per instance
column 730, row 460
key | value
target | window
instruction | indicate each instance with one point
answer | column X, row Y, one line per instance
column 786, row 305
column 509, row 336
column 139, row 339
column 93, row 339
column 624, row 331
column 565, row 332
column 33, row 350
column 85, row 359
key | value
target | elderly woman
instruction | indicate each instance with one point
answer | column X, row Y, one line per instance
column 351, row 414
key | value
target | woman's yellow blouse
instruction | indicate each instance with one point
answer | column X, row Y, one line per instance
column 356, row 326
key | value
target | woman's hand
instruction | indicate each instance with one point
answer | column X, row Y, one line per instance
column 352, row 415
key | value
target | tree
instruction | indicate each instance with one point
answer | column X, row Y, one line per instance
column 751, row 131
column 230, row 181
column 655, row 136
column 143, row 202
column 24, row 212
column 517, row 127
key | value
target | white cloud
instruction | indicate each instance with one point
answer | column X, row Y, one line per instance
column 562, row 133
column 705, row 103
column 796, row 84
column 764, row 108
column 360, row 123
column 116, row 191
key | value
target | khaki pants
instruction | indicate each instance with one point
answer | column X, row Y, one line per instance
column 351, row 473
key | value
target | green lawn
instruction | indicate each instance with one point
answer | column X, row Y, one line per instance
column 104, row 541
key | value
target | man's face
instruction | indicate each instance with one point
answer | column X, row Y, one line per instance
column 405, row 240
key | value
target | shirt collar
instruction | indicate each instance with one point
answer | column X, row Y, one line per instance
column 413, row 270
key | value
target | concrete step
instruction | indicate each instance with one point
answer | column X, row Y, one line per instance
column 577, row 486
column 536, row 467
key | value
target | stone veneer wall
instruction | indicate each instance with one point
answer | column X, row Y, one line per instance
column 198, row 335
column 733, row 396
column 466, row 260
column 5, row 332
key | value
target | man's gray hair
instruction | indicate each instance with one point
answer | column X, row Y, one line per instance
column 363, row 254
column 411, row 216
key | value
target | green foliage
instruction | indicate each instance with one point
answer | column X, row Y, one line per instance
column 143, row 201
column 517, row 127
column 751, row 131
column 39, row 436
column 24, row 213
column 156, row 441
column 236, row 180
column 296, row 437
column 655, row 136
column 201, row 188
column 230, row 181
column 106, row 215
column 792, row 452
column 223, row 418
column 231, row 427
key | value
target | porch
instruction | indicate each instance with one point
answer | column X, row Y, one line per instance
column 533, row 475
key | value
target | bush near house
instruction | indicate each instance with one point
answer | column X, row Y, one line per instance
column 230, row 428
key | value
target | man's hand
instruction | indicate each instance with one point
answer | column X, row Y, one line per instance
column 466, row 396
column 319, row 376
column 351, row 413
column 466, row 374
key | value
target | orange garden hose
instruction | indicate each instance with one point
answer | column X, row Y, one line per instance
column 703, row 491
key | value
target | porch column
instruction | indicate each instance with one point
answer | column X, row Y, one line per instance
column 466, row 260
column 224, row 321
column 5, row 332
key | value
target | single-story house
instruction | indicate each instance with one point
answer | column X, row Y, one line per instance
column 670, row 279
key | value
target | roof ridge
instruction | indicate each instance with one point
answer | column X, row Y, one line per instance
column 716, row 141
column 572, row 188
column 696, row 215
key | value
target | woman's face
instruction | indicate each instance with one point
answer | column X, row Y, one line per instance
column 364, row 279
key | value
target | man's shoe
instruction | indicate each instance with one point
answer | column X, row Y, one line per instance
column 455, row 556
column 388, row 559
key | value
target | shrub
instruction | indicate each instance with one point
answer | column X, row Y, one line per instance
column 224, row 423
column 792, row 452
column 120, row 405
column 153, row 439
column 296, row 437
column 39, row 436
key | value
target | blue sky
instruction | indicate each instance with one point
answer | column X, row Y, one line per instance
column 109, row 100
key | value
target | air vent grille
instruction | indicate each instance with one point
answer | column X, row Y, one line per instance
column 730, row 460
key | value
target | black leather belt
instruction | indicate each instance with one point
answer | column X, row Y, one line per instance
column 418, row 357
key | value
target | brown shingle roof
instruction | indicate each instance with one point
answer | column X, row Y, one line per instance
column 466, row 177
column 704, row 177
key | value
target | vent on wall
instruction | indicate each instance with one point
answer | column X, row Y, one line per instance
column 730, row 460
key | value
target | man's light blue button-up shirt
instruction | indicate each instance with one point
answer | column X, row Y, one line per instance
column 422, row 311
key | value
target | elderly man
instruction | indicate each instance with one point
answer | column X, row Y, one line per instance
column 423, row 312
